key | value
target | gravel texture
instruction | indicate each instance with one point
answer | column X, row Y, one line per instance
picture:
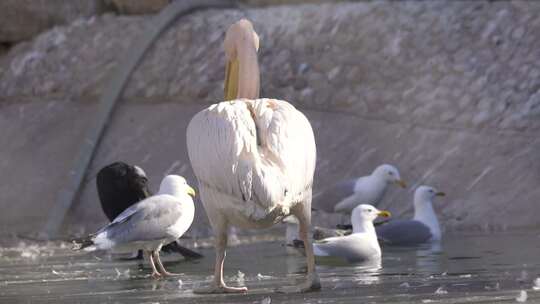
column 447, row 91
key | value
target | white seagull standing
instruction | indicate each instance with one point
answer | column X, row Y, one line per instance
column 424, row 227
column 361, row 245
column 345, row 195
column 149, row 224
column 254, row 158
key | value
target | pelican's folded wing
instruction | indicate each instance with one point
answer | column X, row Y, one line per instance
column 242, row 149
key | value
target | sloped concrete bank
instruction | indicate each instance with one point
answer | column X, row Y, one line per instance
column 449, row 92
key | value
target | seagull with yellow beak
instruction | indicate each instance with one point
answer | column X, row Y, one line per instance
column 254, row 158
column 422, row 228
column 361, row 245
column 148, row 225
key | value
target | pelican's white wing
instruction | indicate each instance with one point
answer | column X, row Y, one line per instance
column 260, row 154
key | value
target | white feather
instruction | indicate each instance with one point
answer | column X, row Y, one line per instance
column 254, row 159
column 423, row 210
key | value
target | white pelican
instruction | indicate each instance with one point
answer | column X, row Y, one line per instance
column 424, row 227
column 149, row 224
column 254, row 158
column 361, row 245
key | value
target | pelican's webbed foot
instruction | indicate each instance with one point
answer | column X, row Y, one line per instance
column 170, row 274
column 220, row 289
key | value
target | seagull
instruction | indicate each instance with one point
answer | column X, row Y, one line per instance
column 119, row 186
column 148, row 225
column 424, row 227
column 361, row 245
column 344, row 196
column 254, row 158
column 292, row 241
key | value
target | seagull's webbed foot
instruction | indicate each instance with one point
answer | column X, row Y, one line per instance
column 220, row 289
column 312, row 284
column 161, row 268
column 155, row 273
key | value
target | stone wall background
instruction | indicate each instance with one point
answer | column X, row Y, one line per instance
column 449, row 92
column 23, row 19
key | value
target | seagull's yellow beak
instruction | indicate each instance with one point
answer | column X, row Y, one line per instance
column 440, row 194
column 401, row 183
column 190, row 191
column 384, row 213
column 231, row 79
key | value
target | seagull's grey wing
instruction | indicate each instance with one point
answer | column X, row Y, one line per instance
column 125, row 215
column 320, row 233
column 348, row 247
column 403, row 232
column 129, row 212
column 334, row 246
column 148, row 221
column 328, row 198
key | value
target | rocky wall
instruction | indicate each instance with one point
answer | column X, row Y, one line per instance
column 447, row 91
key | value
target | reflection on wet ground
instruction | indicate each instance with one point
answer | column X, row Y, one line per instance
column 464, row 268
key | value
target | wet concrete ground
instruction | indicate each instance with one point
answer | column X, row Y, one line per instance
column 465, row 268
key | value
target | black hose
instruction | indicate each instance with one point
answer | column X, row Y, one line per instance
column 109, row 99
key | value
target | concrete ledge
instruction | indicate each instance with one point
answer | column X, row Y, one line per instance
column 447, row 92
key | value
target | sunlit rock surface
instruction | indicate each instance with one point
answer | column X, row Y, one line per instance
column 137, row 6
column 22, row 19
column 448, row 92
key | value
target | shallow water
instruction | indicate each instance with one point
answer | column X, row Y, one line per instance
column 464, row 268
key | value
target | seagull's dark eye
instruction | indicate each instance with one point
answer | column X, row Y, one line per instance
column 391, row 173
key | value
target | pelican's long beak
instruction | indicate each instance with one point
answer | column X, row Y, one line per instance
column 190, row 191
column 401, row 183
column 440, row 194
column 231, row 79
column 384, row 213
